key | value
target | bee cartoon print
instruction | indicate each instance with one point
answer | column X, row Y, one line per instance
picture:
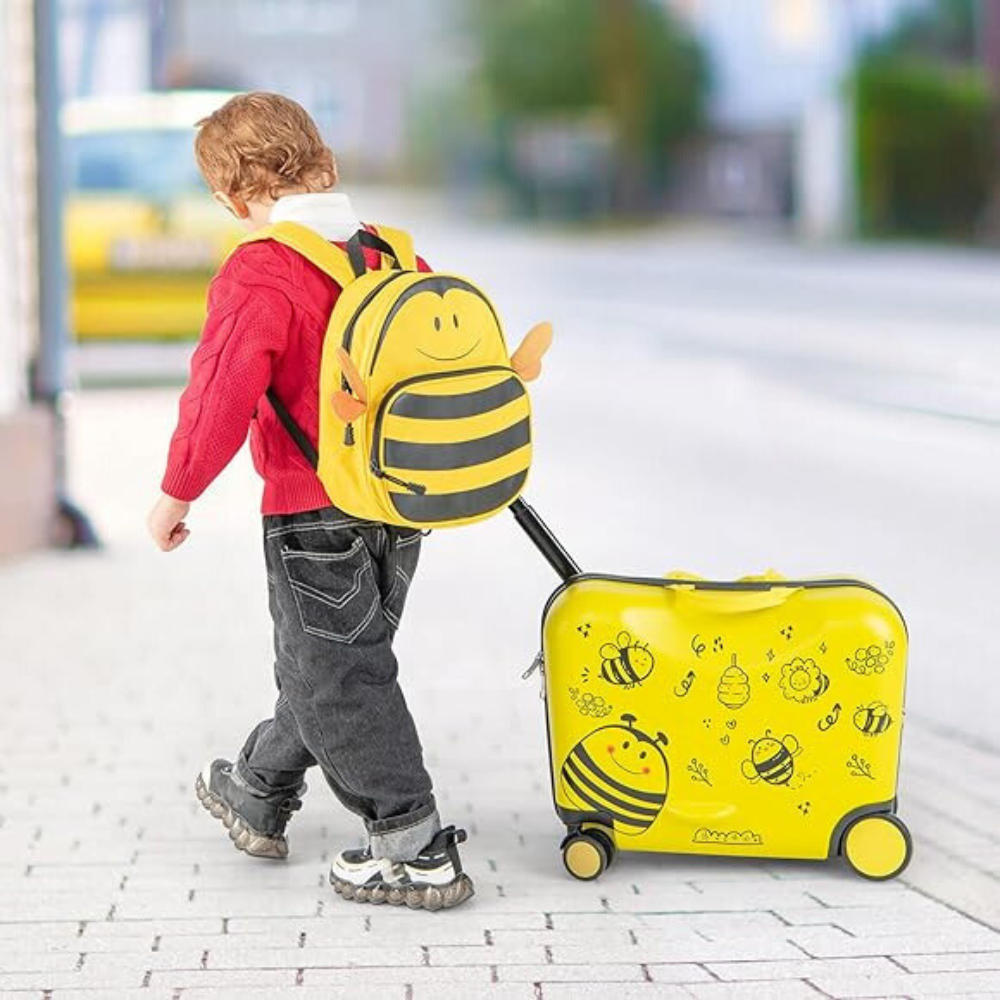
column 626, row 662
column 873, row 719
column 619, row 771
column 772, row 760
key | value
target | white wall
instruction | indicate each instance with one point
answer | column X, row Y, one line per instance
column 17, row 209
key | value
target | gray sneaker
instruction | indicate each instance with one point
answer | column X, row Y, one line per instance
column 256, row 823
column 433, row 880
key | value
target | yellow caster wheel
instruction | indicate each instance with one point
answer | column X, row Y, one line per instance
column 878, row 847
column 585, row 855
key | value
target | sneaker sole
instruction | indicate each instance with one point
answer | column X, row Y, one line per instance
column 244, row 837
column 431, row 897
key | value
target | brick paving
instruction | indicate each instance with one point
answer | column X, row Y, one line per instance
column 124, row 670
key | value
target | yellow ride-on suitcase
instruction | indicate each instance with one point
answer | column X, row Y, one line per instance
column 754, row 718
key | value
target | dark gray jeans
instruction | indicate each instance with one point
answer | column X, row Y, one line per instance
column 337, row 586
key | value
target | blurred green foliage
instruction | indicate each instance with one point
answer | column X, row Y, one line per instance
column 941, row 31
column 925, row 148
column 624, row 62
column 924, row 128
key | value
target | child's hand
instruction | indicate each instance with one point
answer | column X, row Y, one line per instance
column 166, row 522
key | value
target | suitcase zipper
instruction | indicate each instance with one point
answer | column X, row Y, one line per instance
column 538, row 663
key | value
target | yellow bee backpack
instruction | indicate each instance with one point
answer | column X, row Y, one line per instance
column 424, row 416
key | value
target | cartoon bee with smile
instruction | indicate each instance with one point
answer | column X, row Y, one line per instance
column 626, row 662
column 772, row 760
column 873, row 719
column 619, row 771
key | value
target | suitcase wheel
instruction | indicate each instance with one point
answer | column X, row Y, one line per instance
column 878, row 847
column 587, row 854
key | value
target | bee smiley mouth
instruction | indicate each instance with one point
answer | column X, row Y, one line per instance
column 627, row 770
column 456, row 357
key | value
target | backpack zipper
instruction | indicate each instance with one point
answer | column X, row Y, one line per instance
column 365, row 303
column 380, row 473
column 376, row 465
column 349, row 337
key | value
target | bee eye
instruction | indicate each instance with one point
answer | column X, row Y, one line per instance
column 455, row 318
column 437, row 322
column 625, row 745
column 642, row 756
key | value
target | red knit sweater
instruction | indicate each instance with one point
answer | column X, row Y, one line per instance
column 268, row 309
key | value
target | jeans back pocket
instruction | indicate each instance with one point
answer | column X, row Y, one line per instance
column 334, row 587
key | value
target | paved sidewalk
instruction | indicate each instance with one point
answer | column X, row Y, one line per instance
column 124, row 670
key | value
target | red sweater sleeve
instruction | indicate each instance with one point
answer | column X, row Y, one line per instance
column 246, row 328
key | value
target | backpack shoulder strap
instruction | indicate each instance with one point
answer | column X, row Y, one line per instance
column 328, row 258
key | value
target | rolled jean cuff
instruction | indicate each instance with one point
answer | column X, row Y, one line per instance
column 244, row 776
column 402, row 838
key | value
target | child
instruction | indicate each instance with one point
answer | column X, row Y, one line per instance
column 336, row 584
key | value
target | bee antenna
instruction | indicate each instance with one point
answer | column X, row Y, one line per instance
column 662, row 738
column 628, row 719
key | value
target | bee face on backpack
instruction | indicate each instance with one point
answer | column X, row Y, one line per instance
column 457, row 325
column 439, row 320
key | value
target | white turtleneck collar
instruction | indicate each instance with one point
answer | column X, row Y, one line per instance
column 329, row 213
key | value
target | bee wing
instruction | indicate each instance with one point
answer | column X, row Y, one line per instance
column 624, row 640
column 610, row 651
column 749, row 771
column 791, row 744
column 527, row 359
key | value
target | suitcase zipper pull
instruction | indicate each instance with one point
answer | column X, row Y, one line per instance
column 538, row 663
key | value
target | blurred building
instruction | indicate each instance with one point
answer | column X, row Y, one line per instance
column 107, row 46
column 779, row 140
column 354, row 64
column 27, row 433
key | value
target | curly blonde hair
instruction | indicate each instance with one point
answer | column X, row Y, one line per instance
column 261, row 144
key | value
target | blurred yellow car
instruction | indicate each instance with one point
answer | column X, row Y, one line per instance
column 143, row 235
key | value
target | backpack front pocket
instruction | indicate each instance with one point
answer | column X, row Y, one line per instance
column 451, row 447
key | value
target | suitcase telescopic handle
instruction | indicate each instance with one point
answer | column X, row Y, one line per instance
column 546, row 542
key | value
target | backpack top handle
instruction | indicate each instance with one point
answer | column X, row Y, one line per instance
column 400, row 250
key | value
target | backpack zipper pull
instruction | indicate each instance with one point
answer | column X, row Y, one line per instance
column 349, row 428
column 417, row 488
